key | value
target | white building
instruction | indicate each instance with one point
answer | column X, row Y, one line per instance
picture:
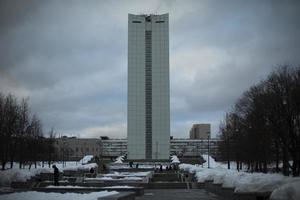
column 72, row 148
column 148, row 127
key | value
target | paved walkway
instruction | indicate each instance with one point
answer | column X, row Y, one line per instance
column 178, row 194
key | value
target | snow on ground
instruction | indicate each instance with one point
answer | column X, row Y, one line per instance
column 6, row 190
column 287, row 191
column 119, row 186
column 67, row 186
column 80, row 167
column 56, row 196
column 128, row 174
column 242, row 181
column 212, row 162
column 8, row 176
column 126, row 166
column 86, row 159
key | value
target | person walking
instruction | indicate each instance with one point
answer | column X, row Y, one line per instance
column 92, row 172
column 55, row 175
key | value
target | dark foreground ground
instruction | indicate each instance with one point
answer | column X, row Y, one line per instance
column 178, row 194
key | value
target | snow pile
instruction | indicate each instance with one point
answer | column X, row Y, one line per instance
column 119, row 159
column 189, row 168
column 119, row 186
column 129, row 174
column 56, row 196
column 174, row 159
column 22, row 175
column 84, row 167
column 289, row 191
column 86, row 159
column 212, row 162
column 241, row 181
column 126, row 166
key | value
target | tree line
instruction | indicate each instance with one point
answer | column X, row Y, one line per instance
column 21, row 135
column 262, row 130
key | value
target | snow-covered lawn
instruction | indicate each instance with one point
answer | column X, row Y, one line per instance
column 10, row 175
column 242, row 181
column 56, row 196
column 288, row 191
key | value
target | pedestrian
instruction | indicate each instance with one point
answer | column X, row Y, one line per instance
column 55, row 175
column 92, row 172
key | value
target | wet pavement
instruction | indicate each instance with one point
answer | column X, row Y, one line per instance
column 174, row 194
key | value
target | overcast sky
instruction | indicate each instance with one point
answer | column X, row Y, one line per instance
column 70, row 58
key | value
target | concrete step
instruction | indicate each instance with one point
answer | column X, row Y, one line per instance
column 138, row 191
column 167, row 185
column 167, row 177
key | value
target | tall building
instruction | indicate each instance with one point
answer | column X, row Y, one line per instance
column 148, row 126
column 200, row 131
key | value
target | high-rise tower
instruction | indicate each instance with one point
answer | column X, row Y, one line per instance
column 148, row 126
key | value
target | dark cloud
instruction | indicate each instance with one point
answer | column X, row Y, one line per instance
column 71, row 58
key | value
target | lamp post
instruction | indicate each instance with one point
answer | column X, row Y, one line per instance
column 208, row 166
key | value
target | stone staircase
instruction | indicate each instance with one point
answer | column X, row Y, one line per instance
column 166, row 177
column 171, row 180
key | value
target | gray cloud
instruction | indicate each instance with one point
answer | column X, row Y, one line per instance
column 70, row 58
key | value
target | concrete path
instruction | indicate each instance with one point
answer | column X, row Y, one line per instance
column 178, row 194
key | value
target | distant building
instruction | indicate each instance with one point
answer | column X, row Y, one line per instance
column 72, row 148
column 200, row 132
column 194, row 148
column 148, row 126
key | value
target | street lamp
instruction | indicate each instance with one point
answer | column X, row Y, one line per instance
column 208, row 152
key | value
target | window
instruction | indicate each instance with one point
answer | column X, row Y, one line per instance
column 159, row 21
column 136, row 22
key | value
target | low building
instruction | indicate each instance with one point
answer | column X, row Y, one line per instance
column 194, row 148
column 72, row 148
column 200, row 131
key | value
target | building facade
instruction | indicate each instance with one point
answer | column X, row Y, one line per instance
column 72, row 148
column 148, row 126
column 200, row 131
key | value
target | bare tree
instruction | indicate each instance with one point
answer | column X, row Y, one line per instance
column 264, row 124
